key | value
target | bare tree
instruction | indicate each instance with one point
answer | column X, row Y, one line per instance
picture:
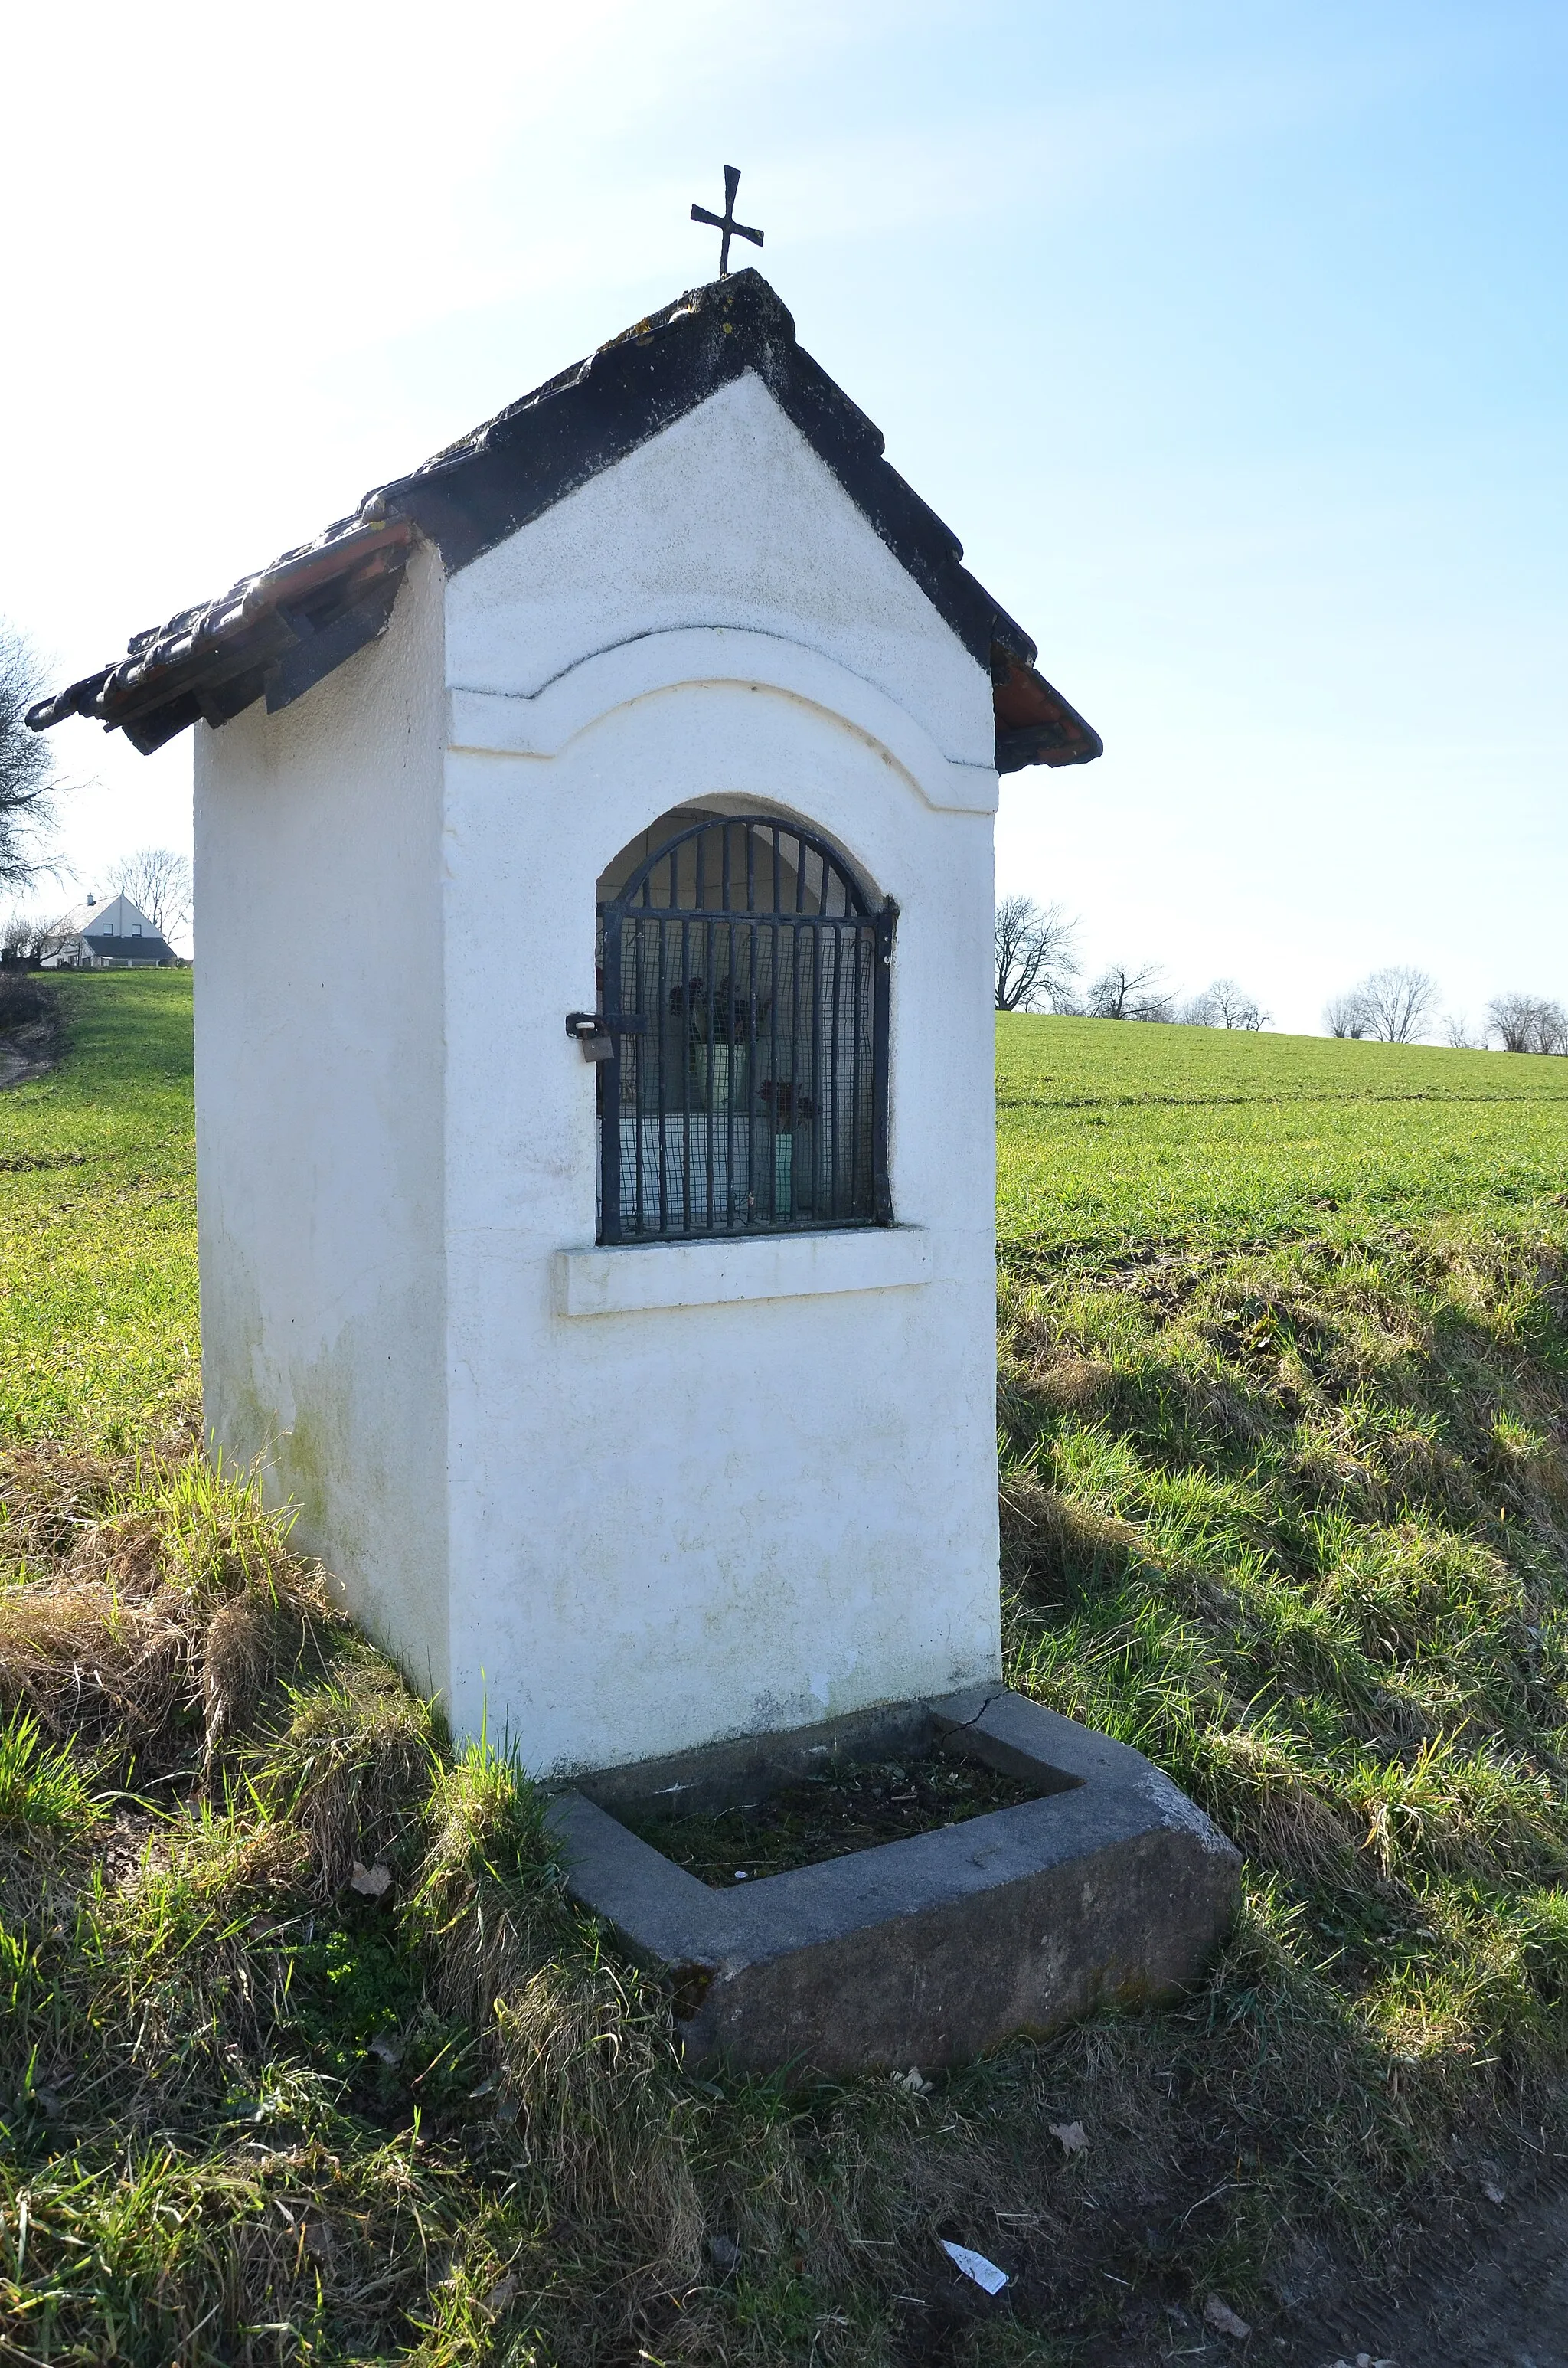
column 1345, row 1015
column 1122, row 994
column 157, row 882
column 1035, row 959
column 26, row 767
column 1513, row 1017
column 29, row 937
column 1225, row 1005
column 1397, row 1003
column 1455, row 1032
column 1528, row 1023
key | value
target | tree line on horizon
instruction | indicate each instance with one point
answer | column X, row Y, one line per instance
column 1039, row 969
column 1037, row 964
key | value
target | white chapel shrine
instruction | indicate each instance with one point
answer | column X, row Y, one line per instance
column 595, row 1049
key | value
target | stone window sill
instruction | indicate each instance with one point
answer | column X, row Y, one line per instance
column 646, row 1275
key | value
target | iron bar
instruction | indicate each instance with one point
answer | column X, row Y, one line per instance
column 758, row 1016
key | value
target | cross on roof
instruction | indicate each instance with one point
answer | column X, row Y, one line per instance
column 726, row 222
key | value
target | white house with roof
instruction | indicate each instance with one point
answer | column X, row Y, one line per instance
column 113, row 936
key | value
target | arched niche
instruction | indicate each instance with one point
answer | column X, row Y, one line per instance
column 743, row 964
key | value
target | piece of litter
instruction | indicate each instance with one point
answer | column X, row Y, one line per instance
column 370, row 1881
column 1223, row 2320
column 1072, row 2136
column 975, row 2265
column 387, row 2048
column 740, row 1875
column 913, row 2080
column 1492, row 2192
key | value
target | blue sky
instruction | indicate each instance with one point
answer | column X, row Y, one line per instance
column 1229, row 338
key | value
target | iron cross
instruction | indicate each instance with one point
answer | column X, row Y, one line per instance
column 725, row 223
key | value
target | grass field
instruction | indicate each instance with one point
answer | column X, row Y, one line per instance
column 1284, row 1423
column 1109, row 1133
column 97, row 1221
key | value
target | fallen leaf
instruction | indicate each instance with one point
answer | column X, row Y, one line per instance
column 1492, row 2192
column 370, row 1881
column 1220, row 2317
column 1072, row 2136
column 503, row 2292
column 387, row 2048
column 975, row 2266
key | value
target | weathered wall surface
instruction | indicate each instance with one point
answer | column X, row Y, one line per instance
column 614, row 1509
column 680, row 1522
column 319, row 1101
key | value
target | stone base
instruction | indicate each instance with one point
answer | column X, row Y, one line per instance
column 1110, row 1886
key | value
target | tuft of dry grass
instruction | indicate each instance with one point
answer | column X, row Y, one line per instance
column 150, row 1600
column 351, row 1754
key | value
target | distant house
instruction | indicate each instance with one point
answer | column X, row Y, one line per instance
column 116, row 935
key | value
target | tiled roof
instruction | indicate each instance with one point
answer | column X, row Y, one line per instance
column 146, row 949
column 274, row 633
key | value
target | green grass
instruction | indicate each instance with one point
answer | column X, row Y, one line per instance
column 1284, row 1425
column 1113, row 1133
column 97, row 1223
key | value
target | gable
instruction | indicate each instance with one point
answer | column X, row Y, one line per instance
column 112, row 917
column 118, row 918
column 727, row 518
column 274, row 634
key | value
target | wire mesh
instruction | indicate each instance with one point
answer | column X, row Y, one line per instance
column 743, row 972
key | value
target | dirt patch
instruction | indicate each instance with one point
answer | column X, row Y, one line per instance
column 854, row 1806
column 1487, row 2288
column 135, row 1845
column 31, row 1027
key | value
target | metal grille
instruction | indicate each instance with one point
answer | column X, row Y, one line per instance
column 744, row 989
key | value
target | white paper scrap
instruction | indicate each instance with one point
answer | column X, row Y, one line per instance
column 975, row 2265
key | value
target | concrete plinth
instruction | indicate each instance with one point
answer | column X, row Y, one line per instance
column 1109, row 1885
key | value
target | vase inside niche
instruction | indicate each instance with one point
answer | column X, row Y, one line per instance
column 783, row 1175
column 722, row 1077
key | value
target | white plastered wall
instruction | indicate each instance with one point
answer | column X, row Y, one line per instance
column 319, row 1098
column 685, row 1511
column 675, row 1522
